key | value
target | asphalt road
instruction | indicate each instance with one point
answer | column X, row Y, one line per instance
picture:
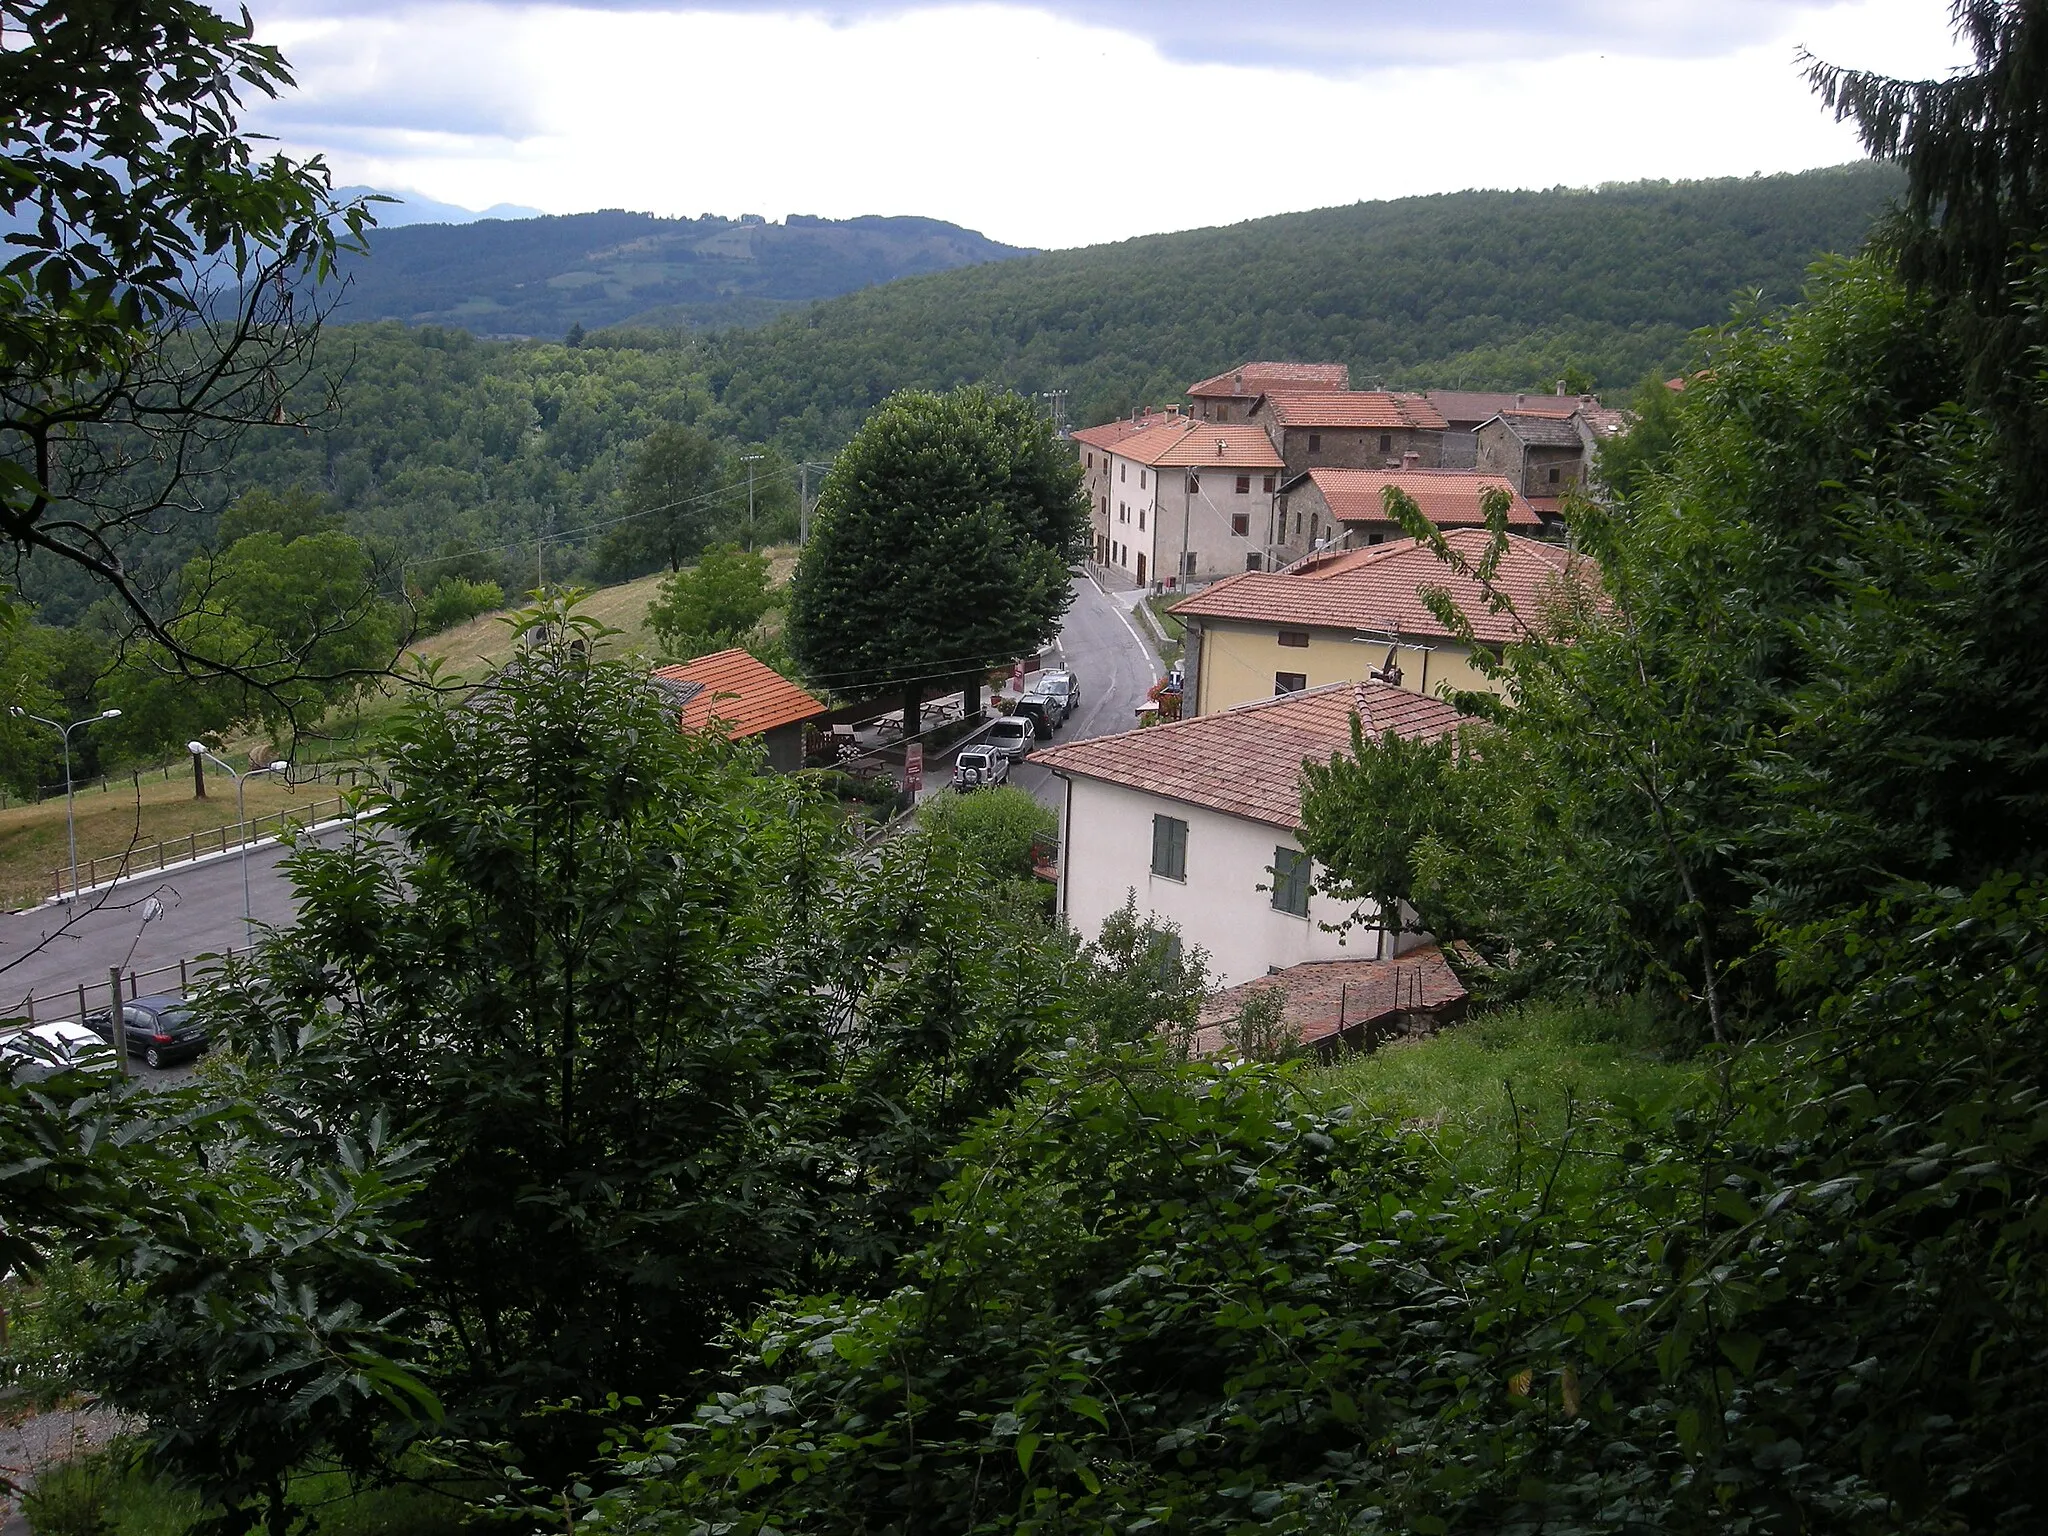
column 1100, row 644
column 49, row 951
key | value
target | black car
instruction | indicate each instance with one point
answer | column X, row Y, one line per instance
column 161, row 1029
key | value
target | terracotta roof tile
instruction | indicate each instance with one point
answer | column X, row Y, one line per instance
column 1480, row 404
column 1110, row 433
column 1247, row 761
column 1448, row 497
column 1183, row 442
column 1329, row 998
column 1380, row 589
column 745, row 696
column 1353, row 408
column 1253, row 379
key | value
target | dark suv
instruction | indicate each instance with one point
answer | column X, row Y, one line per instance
column 161, row 1029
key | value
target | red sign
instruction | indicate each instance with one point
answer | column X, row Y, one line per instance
column 913, row 767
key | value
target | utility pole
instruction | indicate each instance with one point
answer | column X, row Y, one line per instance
column 803, row 503
column 751, row 460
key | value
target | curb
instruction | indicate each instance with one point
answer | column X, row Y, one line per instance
column 269, row 840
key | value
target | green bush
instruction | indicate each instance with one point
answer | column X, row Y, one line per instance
column 993, row 829
column 454, row 601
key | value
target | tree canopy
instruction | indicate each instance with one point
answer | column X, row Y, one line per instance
column 939, row 548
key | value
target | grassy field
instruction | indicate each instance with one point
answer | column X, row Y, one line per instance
column 126, row 816
column 1548, row 1063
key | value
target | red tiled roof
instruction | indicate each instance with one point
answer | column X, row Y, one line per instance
column 1253, row 379
column 1353, row 408
column 745, row 696
column 1326, row 998
column 1110, row 433
column 1180, row 441
column 1479, row 404
column 1448, row 497
column 1247, row 761
column 1380, row 589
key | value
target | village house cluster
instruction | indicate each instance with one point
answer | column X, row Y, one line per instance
column 1308, row 611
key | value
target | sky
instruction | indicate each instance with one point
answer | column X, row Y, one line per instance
column 1065, row 122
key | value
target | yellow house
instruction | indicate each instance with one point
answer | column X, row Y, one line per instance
column 1345, row 615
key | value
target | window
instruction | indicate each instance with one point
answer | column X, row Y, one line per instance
column 1194, row 483
column 1123, row 471
column 1289, row 682
column 1240, row 524
column 1091, row 461
column 1187, row 562
column 1141, row 480
column 1315, row 442
column 1268, row 486
column 1386, row 442
column 1170, row 847
column 1375, row 538
column 1553, row 474
column 1294, row 639
column 1290, row 881
column 1252, row 562
column 1315, row 526
column 1244, row 485
column 1141, row 519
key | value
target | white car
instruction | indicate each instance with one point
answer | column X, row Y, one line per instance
column 43, row 1050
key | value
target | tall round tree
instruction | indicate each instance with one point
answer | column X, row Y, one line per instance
column 940, row 546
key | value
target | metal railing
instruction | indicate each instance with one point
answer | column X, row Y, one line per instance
column 75, row 1003
column 140, row 860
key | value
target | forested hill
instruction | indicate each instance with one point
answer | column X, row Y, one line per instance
column 538, row 277
column 1479, row 289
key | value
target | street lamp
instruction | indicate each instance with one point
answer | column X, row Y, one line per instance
column 198, row 749
column 70, row 819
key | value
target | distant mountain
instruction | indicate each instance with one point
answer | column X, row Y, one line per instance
column 539, row 276
column 412, row 208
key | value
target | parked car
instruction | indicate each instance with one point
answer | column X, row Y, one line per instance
column 161, row 1029
column 980, row 768
column 1043, row 711
column 1012, row 736
column 1065, row 687
column 43, row 1050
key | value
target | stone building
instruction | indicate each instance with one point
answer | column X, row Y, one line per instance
column 1230, row 396
column 1355, row 429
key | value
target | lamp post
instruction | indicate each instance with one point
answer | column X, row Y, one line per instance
column 198, row 749
column 70, row 818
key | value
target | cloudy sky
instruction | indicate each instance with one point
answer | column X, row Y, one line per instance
column 1063, row 122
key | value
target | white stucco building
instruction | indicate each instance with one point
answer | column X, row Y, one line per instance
column 1174, row 498
column 1201, row 818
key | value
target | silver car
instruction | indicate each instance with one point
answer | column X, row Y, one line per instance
column 1012, row 736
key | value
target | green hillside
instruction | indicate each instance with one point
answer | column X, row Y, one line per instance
column 537, row 277
column 1478, row 289
column 443, row 441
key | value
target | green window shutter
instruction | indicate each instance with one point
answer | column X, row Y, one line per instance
column 1290, row 881
column 1170, row 847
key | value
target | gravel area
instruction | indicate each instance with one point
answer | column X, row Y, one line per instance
column 35, row 1440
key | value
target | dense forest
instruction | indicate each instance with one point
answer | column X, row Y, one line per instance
column 540, row 276
column 1470, row 289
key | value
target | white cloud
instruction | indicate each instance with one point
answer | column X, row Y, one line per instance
column 1030, row 126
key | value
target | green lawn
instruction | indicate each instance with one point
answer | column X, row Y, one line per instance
column 1546, row 1063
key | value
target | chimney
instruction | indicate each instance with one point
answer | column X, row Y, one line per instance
column 1520, row 401
column 1237, row 381
column 1219, row 447
column 1560, row 386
